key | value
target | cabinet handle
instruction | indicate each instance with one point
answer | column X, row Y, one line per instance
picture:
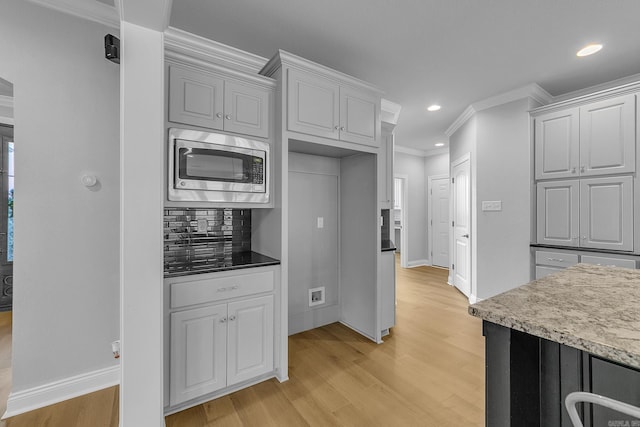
column 555, row 259
column 232, row 318
column 233, row 288
column 223, row 320
column 222, row 289
column 228, row 117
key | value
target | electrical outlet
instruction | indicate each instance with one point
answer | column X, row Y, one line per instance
column 320, row 222
column 492, row 205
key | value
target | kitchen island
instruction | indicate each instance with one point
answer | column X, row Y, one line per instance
column 575, row 330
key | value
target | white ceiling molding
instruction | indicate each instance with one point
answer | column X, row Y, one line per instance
column 92, row 10
column 390, row 111
column 6, row 101
column 532, row 90
column 194, row 46
column 151, row 14
column 629, row 80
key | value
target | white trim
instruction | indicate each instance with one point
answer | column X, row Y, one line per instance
column 430, row 215
column 531, row 90
column 404, row 208
column 602, row 87
column 191, row 45
column 474, row 299
column 7, row 120
column 6, row 102
column 407, row 150
column 92, row 10
column 389, row 111
column 58, row 391
column 417, row 263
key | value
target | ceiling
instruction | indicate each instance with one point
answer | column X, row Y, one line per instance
column 421, row 52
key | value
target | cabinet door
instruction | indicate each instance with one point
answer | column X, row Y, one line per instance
column 198, row 352
column 388, row 296
column 246, row 109
column 195, row 98
column 250, row 339
column 359, row 112
column 617, row 382
column 607, row 137
column 385, row 171
column 606, row 213
column 313, row 105
column 556, row 141
column 558, row 213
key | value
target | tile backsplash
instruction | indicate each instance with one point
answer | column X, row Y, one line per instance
column 201, row 237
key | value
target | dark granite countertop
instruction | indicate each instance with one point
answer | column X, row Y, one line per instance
column 233, row 262
column 387, row 245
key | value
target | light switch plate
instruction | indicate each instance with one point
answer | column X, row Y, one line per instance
column 320, row 222
column 492, row 205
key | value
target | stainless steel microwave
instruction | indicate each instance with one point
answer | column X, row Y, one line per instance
column 213, row 167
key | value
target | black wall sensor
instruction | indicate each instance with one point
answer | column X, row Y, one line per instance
column 112, row 48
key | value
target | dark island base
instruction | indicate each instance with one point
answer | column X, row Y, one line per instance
column 528, row 378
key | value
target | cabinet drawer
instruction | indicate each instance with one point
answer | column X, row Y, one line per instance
column 609, row 262
column 545, row 271
column 203, row 291
column 556, row 259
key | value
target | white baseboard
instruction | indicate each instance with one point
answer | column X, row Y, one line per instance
column 418, row 263
column 474, row 299
column 58, row 391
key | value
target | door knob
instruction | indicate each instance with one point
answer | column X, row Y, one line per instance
column 465, row 235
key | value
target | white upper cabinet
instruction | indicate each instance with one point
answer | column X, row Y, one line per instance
column 558, row 213
column 205, row 99
column 195, row 98
column 607, row 136
column 385, row 171
column 598, row 138
column 557, row 144
column 606, row 213
column 321, row 107
column 313, row 105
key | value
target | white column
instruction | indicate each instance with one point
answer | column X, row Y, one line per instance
column 141, row 203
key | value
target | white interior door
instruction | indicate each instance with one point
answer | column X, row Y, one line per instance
column 439, row 206
column 461, row 224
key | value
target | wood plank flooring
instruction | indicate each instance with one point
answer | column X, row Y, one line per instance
column 428, row 372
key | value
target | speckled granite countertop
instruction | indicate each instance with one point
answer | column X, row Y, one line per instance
column 588, row 307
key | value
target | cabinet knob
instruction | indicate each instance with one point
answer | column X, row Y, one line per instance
column 223, row 320
column 219, row 115
column 342, row 128
column 336, row 127
column 581, row 168
column 228, row 117
column 232, row 318
column 573, row 170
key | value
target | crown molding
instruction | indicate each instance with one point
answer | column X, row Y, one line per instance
column 406, row 150
column 532, row 91
column 291, row 60
column 389, row 112
column 6, row 101
column 91, row 10
column 192, row 45
column 599, row 88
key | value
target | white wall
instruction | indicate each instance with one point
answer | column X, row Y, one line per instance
column 66, row 287
column 436, row 165
column 414, row 168
column 503, row 173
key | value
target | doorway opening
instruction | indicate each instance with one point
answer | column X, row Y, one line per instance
column 6, row 238
column 400, row 210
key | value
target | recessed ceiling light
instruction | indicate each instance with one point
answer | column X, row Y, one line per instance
column 433, row 107
column 589, row 49
column 440, row 144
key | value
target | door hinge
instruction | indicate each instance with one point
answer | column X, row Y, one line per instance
column 431, row 222
column 452, row 224
column 453, row 180
column 453, row 266
column 431, row 191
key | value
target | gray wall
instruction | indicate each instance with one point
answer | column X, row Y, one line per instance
column 66, row 269
column 414, row 168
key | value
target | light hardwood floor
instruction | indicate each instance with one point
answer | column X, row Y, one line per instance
column 428, row 372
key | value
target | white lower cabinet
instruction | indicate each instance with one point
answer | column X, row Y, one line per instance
column 218, row 346
column 548, row 261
